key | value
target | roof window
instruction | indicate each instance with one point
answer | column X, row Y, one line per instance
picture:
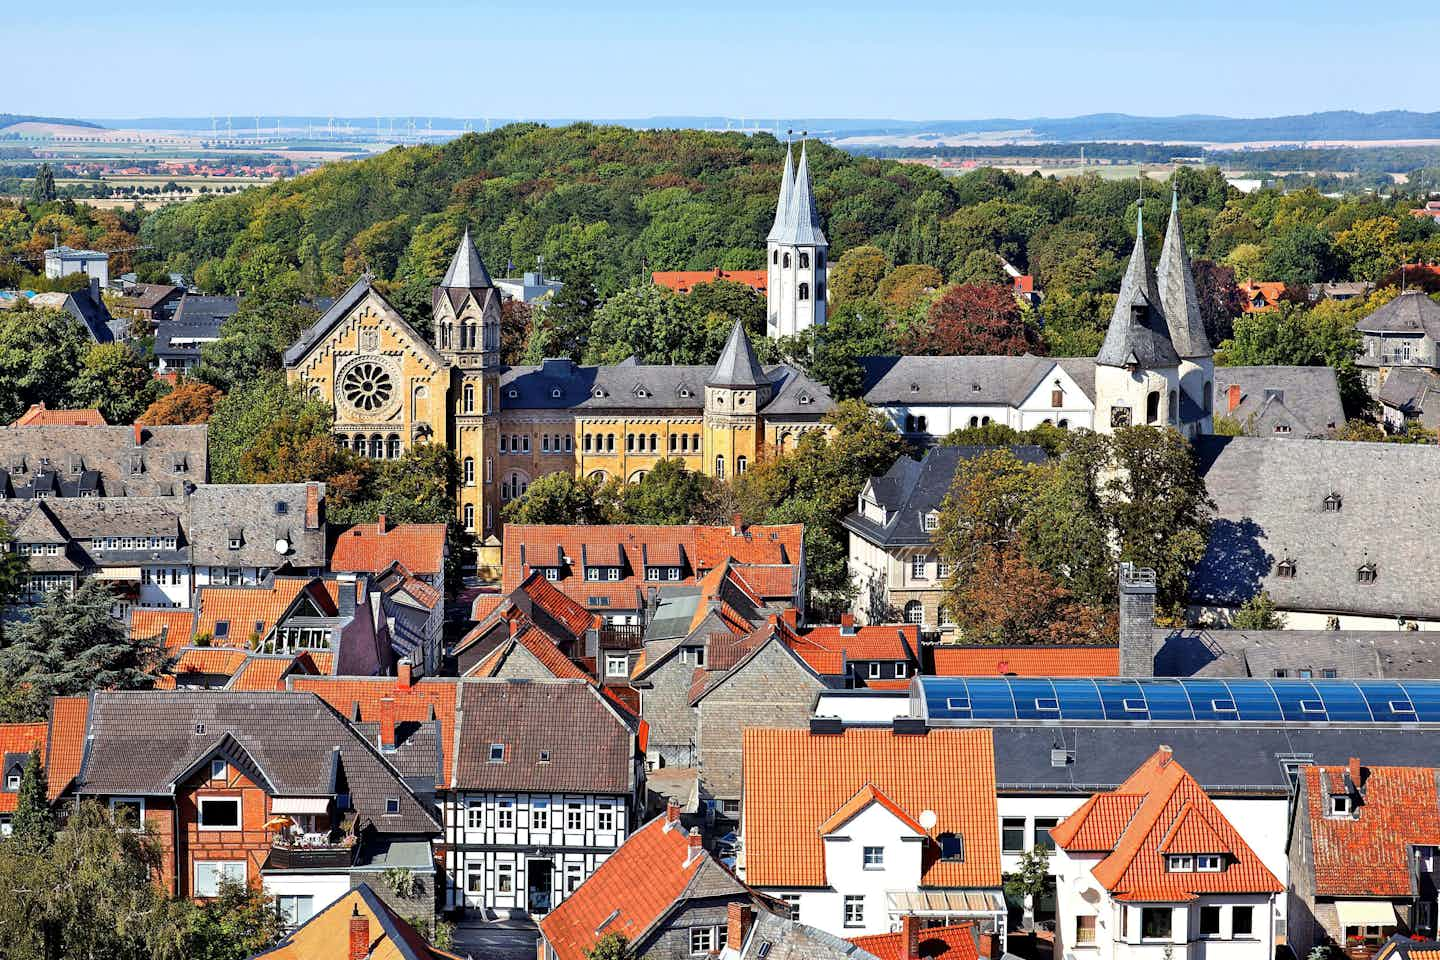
column 952, row 847
column 392, row 806
column 1366, row 573
column 497, row 752
column 1332, row 503
column 1286, row 570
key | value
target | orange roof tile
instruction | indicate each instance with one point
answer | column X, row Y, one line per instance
column 177, row 626
column 266, row 673
column 627, row 893
column 39, row 416
column 571, row 615
column 1167, row 807
column 248, row 610
column 327, row 934
column 949, row 772
column 539, row 644
column 868, row 794
column 1367, row 855
column 20, row 738
column 1260, row 295
column 955, row 942
column 683, row 281
column 69, row 718
column 218, row 660
column 412, row 704
column 957, row 661
column 371, row 548
column 484, row 605
column 827, row 649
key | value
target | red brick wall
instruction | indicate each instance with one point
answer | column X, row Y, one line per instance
column 250, row 843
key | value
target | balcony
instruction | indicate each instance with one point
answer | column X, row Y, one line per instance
column 311, row 851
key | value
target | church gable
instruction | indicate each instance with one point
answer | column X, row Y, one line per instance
column 360, row 322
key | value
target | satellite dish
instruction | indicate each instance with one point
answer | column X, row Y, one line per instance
column 928, row 819
column 282, row 545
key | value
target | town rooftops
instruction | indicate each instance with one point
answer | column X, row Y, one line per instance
column 1322, row 525
column 1415, row 393
column 1260, row 295
column 953, row 942
column 960, row 381
column 1412, row 312
column 829, row 649
column 1158, row 814
column 359, row 920
column 39, row 416
column 396, row 699
column 1290, row 402
column 243, row 525
column 947, row 775
column 373, row 547
column 1301, row 654
column 1366, row 850
column 106, row 461
column 17, row 740
column 683, row 281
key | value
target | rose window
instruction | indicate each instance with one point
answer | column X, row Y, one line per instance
column 367, row 387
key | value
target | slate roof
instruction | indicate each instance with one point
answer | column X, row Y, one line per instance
column 1351, row 654
column 262, row 513
column 361, row 697
column 373, row 547
column 559, row 736
column 91, row 311
column 737, row 366
column 949, row 772
column 140, row 743
column 195, row 318
column 950, row 660
column 1138, row 334
column 1281, row 401
column 959, row 381
column 910, row 490
column 782, row 201
column 1270, row 506
column 1415, row 392
column 466, row 271
column 1176, row 284
column 1367, row 854
column 1411, row 312
column 801, row 223
column 1162, row 811
column 774, row 937
column 169, row 457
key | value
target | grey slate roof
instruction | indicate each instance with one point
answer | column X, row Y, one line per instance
column 955, row 381
column 1415, row 392
column 1351, row 654
column 737, row 366
column 801, row 225
column 1226, row 760
column 782, row 202
column 790, row 940
column 1138, row 333
column 467, row 271
column 1177, row 291
column 1269, row 499
column 1304, row 399
column 589, row 746
column 216, row 510
column 1411, row 312
column 91, row 311
column 139, row 743
column 204, row 312
column 168, row 456
column 909, row 490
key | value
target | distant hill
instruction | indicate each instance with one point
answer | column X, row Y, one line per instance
column 10, row 119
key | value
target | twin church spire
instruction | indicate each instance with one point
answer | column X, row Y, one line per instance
column 795, row 251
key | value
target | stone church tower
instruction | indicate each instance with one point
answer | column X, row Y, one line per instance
column 466, row 330
column 1137, row 371
column 1187, row 329
column 735, row 391
column 795, row 253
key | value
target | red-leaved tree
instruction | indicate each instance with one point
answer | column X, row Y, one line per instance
column 972, row 319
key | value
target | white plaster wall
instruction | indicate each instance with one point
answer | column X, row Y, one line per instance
column 326, row 888
column 875, row 826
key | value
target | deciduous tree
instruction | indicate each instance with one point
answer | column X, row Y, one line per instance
column 971, row 319
column 190, row 402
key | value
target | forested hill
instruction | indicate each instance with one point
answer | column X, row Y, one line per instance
column 614, row 200
column 10, row 119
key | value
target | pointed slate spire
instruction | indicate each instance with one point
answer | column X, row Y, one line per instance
column 466, row 270
column 802, row 220
column 782, row 203
column 1138, row 335
column 1177, row 291
column 737, row 366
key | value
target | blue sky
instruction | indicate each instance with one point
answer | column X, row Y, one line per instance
column 753, row 58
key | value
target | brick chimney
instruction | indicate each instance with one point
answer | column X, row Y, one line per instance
column 380, row 524
column 739, row 917
column 405, row 672
column 847, row 624
column 387, row 723
column 695, row 847
column 359, row 935
column 1353, row 774
column 139, row 434
column 312, row 506
column 672, row 814
column 737, row 525
column 1232, row 397
column 910, row 937
column 989, row 946
column 1137, row 621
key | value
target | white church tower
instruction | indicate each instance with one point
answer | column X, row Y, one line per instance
column 795, row 253
column 1137, row 371
column 1187, row 329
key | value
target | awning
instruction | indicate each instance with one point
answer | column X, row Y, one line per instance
column 118, row 573
column 1366, row 913
column 300, row 804
column 959, row 903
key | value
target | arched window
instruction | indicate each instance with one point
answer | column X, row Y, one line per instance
column 377, row 447
column 785, row 262
column 804, row 291
column 1064, row 424
column 740, row 464
column 469, row 471
column 394, row 445
column 609, row 443
column 586, row 443
column 695, row 442
column 720, row 468
column 598, row 475
column 629, row 443
column 654, row 442
column 637, row 476
column 469, row 514
column 774, row 256
column 974, row 421
column 342, row 441
column 1174, row 411
column 1152, row 407
column 805, row 261
column 467, row 403
column 445, row 329
column 915, row 612
column 984, row 421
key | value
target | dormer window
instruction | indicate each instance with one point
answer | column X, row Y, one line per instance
column 931, row 522
column 1209, row 862
column 804, row 398
column 1180, row 863
column 914, row 388
column 1286, row 570
column 1340, row 805
column 974, row 388
column 555, row 393
column 512, row 393
column 599, row 393
column 234, row 543
column 1366, row 573
column 642, row 393
column 497, row 753
column 685, row 393
column 1332, row 503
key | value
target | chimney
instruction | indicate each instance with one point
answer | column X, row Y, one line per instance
column 1169, row 755
column 694, row 848
column 1352, row 773
column 312, row 506
column 405, row 672
column 739, row 917
column 737, row 525
column 95, row 291
column 847, row 624
column 139, row 434
column 387, row 723
column 910, row 937
column 380, row 524
column 672, row 813
column 1232, row 397
column 359, row 934
column 791, row 616
column 1137, row 621
column 989, row 946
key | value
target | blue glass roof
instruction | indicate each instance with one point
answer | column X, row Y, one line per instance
column 1160, row 699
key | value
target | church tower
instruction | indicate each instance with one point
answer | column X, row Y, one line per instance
column 1187, row 329
column 466, row 321
column 1137, row 372
column 734, row 393
column 795, row 253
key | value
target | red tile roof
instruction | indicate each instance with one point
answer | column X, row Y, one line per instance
column 269, row 673
column 683, row 281
column 371, row 548
column 412, row 704
column 850, row 808
column 947, row 943
column 20, row 738
column 828, row 649
column 948, row 772
column 255, row 609
column 1259, row 296
column 1367, row 854
column 177, row 626
column 541, row 646
column 39, row 416
column 1169, row 812
column 956, row 661
column 68, row 720
column 627, row 893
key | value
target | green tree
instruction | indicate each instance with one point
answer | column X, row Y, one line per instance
column 1300, row 256
column 41, row 355
column 909, row 284
column 253, row 341
column 560, row 497
column 72, row 644
column 33, row 826
column 117, row 381
column 1029, row 879
column 14, row 574
column 566, row 319
column 1259, row 613
column 239, row 923
column 612, row 946
column 857, row 274
column 42, row 190
column 668, row 494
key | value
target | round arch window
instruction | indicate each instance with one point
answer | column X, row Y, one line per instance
column 367, row 387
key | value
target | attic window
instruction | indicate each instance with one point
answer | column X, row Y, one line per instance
column 555, row 393
column 512, row 393
column 932, row 521
column 222, row 629
column 544, row 756
column 1332, row 503
column 952, row 847
column 234, row 543
column 392, row 806
column 1209, row 862
column 1286, row 570
column 1180, row 864
column 1366, row 573
column 804, row 398
column 497, row 753
column 599, row 392
column 1340, row 805
column 641, row 392
column 684, row 393
column 974, row 388
column 914, row 388
column 281, row 508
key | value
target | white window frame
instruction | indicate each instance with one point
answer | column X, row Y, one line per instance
column 539, row 815
column 505, row 815
column 575, row 811
column 605, row 818
column 611, row 662
column 702, row 941
column 224, row 869
column 1180, row 863
column 201, row 803
column 475, row 815
column 1209, row 863
column 128, row 801
column 901, row 671
column 219, row 769
column 504, row 872
column 475, row 877
column 918, row 567
column 854, row 911
column 872, row 858
column 874, row 671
